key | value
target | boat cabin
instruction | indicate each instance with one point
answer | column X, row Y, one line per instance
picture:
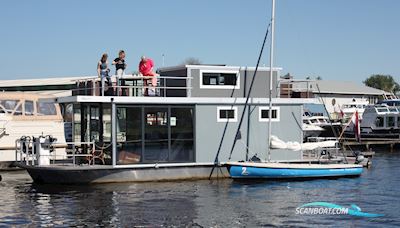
column 27, row 114
column 380, row 121
column 184, row 119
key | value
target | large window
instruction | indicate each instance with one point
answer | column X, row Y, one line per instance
column 263, row 114
column 219, row 79
column 182, row 138
column 156, row 134
column 130, row 151
column 9, row 105
column 379, row 122
column 46, row 108
column 29, row 111
column 390, row 120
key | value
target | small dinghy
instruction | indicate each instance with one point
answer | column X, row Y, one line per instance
column 270, row 170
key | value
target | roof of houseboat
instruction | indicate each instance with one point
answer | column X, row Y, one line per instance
column 181, row 100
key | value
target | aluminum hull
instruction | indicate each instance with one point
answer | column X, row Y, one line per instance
column 57, row 174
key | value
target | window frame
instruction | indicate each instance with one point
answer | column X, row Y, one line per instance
column 237, row 86
column 224, row 120
column 262, row 108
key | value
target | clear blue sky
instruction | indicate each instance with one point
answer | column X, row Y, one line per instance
column 341, row 39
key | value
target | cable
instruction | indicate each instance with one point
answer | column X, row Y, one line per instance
column 248, row 94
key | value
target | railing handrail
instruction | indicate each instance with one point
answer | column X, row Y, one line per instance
column 159, row 90
column 127, row 76
column 29, row 156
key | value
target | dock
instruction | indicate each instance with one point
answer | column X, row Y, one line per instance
column 367, row 143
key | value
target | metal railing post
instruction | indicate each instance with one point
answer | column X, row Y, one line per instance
column 114, row 132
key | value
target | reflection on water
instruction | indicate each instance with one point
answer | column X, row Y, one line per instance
column 203, row 203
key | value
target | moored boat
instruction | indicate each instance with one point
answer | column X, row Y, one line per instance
column 27, row 114
column 273, row 170
column 270, row 170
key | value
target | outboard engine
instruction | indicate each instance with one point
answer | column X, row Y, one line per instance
column 43, row 146
column 24, row 142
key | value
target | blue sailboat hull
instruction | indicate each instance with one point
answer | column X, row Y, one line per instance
column 243, row 172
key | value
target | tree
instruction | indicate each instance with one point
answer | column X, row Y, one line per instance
column 318, row 78
column 383, row 82
column 191, row 61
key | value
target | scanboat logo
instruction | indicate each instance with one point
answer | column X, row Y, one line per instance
column 324, row 208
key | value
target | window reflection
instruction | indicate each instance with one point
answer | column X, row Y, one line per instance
column 130, row 151
column 46, row 108
column 181, row 134
column 29, row 108
column 156, row 134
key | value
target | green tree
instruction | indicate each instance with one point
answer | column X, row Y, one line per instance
column 383, row 82
column 318, row 78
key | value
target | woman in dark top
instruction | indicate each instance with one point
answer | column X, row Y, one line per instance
column 120, row 67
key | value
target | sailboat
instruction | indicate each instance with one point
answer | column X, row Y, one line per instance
column 275, row 170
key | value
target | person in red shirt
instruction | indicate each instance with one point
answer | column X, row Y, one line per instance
column 146, row 66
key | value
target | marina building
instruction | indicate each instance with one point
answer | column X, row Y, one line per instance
column 334, row 94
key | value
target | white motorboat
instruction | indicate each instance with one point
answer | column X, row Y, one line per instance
column 24, row 114
column 379, row 121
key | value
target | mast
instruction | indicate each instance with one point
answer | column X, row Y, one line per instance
column 271, row 63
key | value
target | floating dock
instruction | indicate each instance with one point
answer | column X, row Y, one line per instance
column 367, row 143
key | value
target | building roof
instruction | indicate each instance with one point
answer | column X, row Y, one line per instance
column 42, row 81
column 336, row 87
column 214, row 67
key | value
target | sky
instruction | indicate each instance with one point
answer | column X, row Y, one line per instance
column 336, row 40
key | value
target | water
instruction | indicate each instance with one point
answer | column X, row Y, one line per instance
column 223, row 203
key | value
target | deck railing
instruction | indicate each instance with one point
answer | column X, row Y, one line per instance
column 135, row 86
column 26, row 151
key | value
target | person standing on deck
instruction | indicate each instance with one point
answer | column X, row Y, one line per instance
column 120, row 67
column 146, row 66
column 103, row 72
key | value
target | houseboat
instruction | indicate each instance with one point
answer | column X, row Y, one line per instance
column 25, row 114
column 175, row 133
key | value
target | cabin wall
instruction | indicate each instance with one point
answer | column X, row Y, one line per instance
column 174, row 83
column 209, row 132
column 288, row 128
column 260, row 86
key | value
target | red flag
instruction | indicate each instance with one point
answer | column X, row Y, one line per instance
column 356, row 128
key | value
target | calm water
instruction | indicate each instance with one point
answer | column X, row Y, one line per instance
column 224, row 203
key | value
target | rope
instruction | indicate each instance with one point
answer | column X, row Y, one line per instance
column 248, row 94
column 244, row 110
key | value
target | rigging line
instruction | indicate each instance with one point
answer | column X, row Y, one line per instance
column 223, row 134
column 248, row 94
column 330, row 121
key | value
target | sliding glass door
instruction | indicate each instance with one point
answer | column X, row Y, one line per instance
column 155, row 134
